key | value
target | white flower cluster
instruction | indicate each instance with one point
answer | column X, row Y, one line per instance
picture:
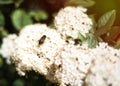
column 78, row 66
column 46, row 51
column 105, row 69
column 35, row 48
column 75, row 63
column 72, row 20
column 8, row 47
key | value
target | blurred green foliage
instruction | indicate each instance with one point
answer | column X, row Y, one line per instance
column 20, row 18
column 6, row 1
column 39, row 15
column 15, row 14
column 2, row 21
column 106, row 22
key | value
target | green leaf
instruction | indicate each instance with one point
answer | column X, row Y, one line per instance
column 84, row 3
column 20, row 18
column 81, row 37
column 107, row 17
column 2, row 21
column 105, row 22
column 92, row 41
column 39, row 15
column 6, row 1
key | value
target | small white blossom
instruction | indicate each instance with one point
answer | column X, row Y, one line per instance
column 72, row 20
column 8, row 47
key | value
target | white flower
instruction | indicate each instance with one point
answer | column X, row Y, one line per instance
column 36, row 47
column 8, row 47
column 105, row 69
column 77, row 65
column 72, row 20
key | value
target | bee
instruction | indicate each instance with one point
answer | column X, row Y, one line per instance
column 42, row 39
